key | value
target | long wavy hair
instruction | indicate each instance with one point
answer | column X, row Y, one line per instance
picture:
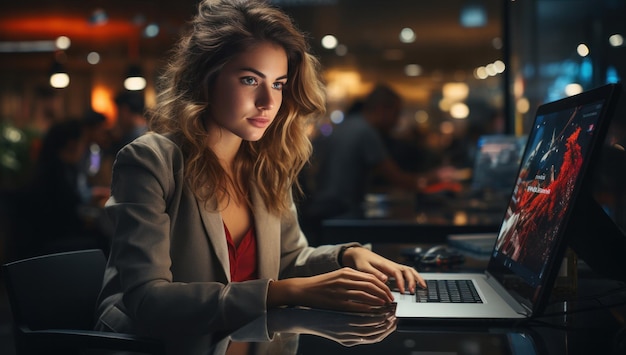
column 221, row 30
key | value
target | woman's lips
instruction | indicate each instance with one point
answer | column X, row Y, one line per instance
column 259, row 122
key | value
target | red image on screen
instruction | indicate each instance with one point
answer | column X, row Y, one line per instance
column 543, row 190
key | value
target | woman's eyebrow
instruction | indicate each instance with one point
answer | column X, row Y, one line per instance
column 261, row 74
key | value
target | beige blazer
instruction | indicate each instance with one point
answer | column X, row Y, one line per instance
column 168, row 271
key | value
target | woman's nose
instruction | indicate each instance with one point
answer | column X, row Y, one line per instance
column 265, row 99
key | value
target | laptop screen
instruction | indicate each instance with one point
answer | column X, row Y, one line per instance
column 560, row 145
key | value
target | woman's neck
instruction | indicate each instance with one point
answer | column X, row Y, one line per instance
column 225, row 145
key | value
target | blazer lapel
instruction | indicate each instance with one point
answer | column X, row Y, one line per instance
column 267, row 228
column 267, row 238
column 214, row 227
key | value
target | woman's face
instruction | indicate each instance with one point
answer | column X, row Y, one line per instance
column 248, row 92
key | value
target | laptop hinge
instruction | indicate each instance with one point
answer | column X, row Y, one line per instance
column 516, row 304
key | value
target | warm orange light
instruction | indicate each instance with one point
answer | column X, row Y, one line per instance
column 74, row 27
column 102, row 101
column 341, row 85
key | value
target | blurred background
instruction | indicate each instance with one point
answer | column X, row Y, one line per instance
column 464, row 68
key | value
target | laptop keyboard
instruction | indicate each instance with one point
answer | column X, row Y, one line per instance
column 449, row 291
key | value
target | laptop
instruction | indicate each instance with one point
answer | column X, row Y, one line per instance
column 529, row 248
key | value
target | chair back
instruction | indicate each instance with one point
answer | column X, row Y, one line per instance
column 56, row 291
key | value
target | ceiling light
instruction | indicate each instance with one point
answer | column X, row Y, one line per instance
column 499, row 66
column 135, row 83
column 151, row 31
column 93, row 58
column 59, row 78
column 329, row 42
column 135, row 80
column 481, row 73
column 63, row 42
column 407, row 35
column 491, row 69
column 616, row 40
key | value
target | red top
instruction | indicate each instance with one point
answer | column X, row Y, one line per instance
column 243, row 258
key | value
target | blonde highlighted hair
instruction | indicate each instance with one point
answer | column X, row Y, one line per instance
column 221, row 30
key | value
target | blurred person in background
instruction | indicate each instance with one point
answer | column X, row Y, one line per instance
column 131, row 120
column 95, row 189
column 131, row 123
column 345, row 162
column 50, row 215
column 44, row 112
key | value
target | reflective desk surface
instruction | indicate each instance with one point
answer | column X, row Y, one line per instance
column 302, row 331
column 590, row 322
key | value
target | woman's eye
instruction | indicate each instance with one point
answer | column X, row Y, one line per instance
column 279, row 86
column 248, row 80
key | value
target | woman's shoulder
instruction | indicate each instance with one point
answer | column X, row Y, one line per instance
column 156, row 140
column 153, row 146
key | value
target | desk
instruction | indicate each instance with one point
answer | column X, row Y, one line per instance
column 600, row 331
column 420, row 229
column 593, row 324
column 400, row 219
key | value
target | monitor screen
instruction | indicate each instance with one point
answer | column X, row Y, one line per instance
column 496, row 162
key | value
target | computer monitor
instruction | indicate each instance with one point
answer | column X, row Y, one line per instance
column 496, row 162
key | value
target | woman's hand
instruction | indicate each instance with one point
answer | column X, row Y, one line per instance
column 365, row 260
column 347, row 329
column 346, row 289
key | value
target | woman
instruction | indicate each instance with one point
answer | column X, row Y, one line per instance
column 206, row 233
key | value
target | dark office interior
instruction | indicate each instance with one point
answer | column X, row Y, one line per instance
column 468, row 71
